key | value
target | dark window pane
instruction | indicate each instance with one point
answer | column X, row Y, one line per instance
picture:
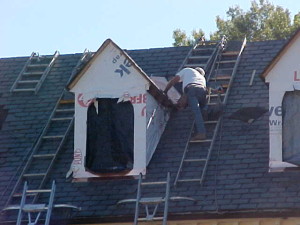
column 291, row 127
column 110, row 136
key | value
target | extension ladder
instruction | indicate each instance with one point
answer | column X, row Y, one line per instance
column 34, row 72
column 38, row 211
column 197, row 153
column 151, row 203
column 49, row 143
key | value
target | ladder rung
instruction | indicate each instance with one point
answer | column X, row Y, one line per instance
column 23, row 89
column 190, row 180
column 199, row 57
column 228, row 61
column 38, row 191
column 53, row 136
column 65, row 110
column 230, row 53
column 34, row 175
column 151, row 200
column 220, row 78
column 195, row 65
column 200, row 141
column 37, row 65
column 69, row 101
column 62, row 118
column 27, row 81
column 194, row 160
column 33, row 73
column 153, row 183
column 43, row 155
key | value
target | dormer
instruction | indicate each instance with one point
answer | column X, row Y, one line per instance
column 120, row 115
column 283, row 77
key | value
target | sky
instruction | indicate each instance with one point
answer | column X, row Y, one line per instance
column 71, row 26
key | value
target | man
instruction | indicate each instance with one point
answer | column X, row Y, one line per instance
column 194, row 87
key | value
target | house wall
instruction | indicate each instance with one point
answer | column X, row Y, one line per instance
column 111, row 74
column 283, row 77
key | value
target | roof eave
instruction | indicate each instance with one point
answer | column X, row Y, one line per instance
column 229, row 214
column 153, row 89
column 282, row 51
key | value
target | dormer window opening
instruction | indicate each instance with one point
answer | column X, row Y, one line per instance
column 120, row 115
column 110, row 136
column 290, row 127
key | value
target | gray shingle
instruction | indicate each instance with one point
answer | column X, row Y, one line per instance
column 237, row 176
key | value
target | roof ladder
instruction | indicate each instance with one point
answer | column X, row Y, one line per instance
column 152, row 201
column 201, row 55
column 36, row 209
column 49, row 143
column 197, row 153
column 151, row 204
column 34, row 72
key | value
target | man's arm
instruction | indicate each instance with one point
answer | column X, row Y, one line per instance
column 171, row 83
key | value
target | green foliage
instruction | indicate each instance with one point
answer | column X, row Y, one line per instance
column 263, row 21
column 181, row 39
column 296, row 24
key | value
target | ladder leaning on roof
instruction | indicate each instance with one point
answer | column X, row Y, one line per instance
column 49, row 143
column 40, row 211
column 219, row 66
column 153, row 203
column 34, row 72
column 36, row 208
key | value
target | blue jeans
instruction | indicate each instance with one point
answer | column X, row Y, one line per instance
column 196, row 95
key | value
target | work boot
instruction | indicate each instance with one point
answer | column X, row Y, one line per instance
column 198, row 137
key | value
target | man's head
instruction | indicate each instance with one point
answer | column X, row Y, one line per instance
column 200, row 70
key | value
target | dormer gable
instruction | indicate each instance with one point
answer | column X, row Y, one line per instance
column 283, row 77
column 120, row 115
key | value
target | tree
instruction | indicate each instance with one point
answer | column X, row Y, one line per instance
column 263, row 21
column 181, row 39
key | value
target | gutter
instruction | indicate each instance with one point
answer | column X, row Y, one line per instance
column 226, row 214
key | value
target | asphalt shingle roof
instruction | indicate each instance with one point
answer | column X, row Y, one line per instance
column 237, row 179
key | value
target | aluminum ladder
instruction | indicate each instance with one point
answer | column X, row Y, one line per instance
column 34, row 72
column 150, row 204
column 197, row 153
column 147, row 202
column 202, row 54
column 49, row 143
column 36, row 209
column 145, row 198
